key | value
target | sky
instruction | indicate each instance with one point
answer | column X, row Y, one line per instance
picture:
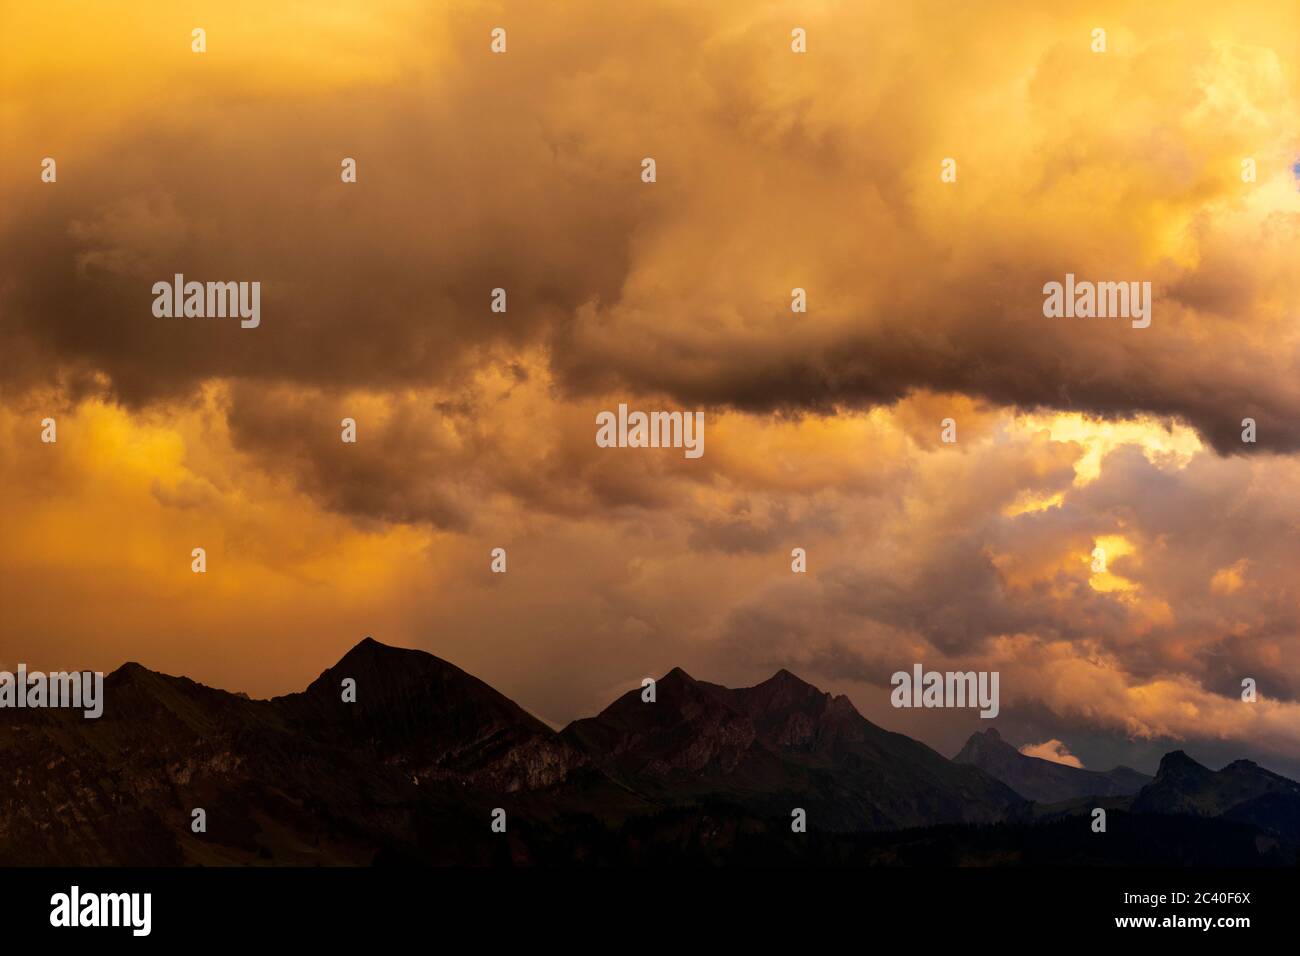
column 775, row 170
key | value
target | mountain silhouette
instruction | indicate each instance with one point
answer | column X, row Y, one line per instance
column 1242, row 791
column 414, row 769
column 1042, row 780
column 431, row 720
column 409, row 771
column 780, row 745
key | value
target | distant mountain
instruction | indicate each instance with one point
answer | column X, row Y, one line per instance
column 1042, row 780
column 412, row 771
column 1242, row 791
column 779, row 745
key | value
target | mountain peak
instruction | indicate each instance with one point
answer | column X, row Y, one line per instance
column 128, row 670
column 677, row 674
column 779, row 699
column 1043, row 781
column 1177, row 761
column 1242, row 789
column 982, row 745
column 784, row 678
column 369, row 647
column 687, row 731
column 785, row 686
column 430, row 717
column 400, row 665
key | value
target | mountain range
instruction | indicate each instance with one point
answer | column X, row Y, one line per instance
column 1043, row 780
column 417, row 767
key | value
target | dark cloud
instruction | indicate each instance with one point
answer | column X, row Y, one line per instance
column 521, row 172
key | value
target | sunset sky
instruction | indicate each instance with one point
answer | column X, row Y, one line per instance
column 775, row 170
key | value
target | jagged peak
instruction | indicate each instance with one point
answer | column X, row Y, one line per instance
column 985, row 739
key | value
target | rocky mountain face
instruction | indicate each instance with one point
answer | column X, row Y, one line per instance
column 413, row 770
column 1042, row 780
